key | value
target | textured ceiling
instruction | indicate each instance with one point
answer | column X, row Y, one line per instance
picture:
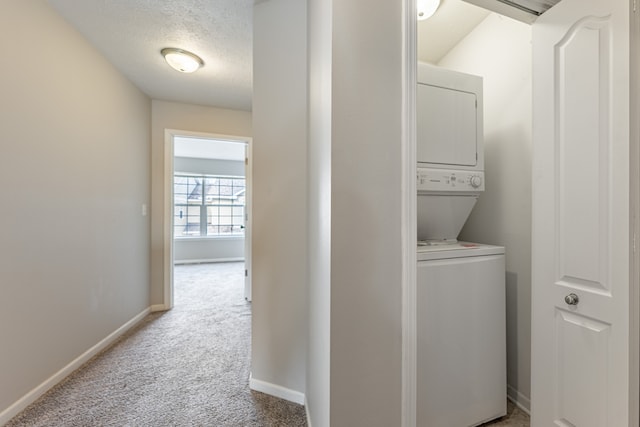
column 131, row 33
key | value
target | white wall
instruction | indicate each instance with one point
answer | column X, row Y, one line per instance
column 208, row 166
column 74, row 173
column 279, row 239
column 208, row 249
column 366, row 264
column 499, row 49
column 196, row 249
column 355, row 268
column 319, row 214
column 186, row 117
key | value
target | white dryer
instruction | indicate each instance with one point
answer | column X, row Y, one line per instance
column 450, row 150
column 450, row 119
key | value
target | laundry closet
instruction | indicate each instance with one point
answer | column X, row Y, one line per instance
column 474, row 217
column 559, row 195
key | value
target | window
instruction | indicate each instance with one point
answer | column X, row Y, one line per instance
column 208, row 205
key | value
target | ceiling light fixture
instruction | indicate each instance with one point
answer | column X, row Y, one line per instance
column 426, row 8
column 182, row 60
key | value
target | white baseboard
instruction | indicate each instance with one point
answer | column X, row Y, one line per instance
column 519, row 399
column 158, row 307
column 206, row 261
column 34, row 394
column 277, row 391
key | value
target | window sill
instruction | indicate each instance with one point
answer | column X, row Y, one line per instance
column 205, row 238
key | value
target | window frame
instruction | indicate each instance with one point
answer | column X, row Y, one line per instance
column 204, row 205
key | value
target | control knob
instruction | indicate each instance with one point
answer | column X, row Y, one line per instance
column 475, row 181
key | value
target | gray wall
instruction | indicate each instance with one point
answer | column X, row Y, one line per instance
column 279, row 239
column 354, row 362
column 208, row 166
column 186, row 117
column 74, row 174
column 207, row 249
column 366, row 265
column 499, row 49
column 319, row 214
column 193, row 249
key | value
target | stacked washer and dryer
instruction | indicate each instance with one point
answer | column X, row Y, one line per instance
column 461, row 286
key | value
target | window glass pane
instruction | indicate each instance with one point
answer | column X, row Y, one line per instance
column 195, row 190
column 223, row 198
column 186, row 220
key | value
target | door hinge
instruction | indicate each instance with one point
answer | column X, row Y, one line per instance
column 246, row 273
column 246, row 160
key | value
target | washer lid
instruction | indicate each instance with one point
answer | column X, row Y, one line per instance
column 456, row 250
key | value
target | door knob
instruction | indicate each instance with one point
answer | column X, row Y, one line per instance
column 572, row 299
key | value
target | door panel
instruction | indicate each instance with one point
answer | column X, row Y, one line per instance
column 580, row 353
column 572, row 385
column 583, row 162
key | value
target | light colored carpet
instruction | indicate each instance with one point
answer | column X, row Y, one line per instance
column 186, row 367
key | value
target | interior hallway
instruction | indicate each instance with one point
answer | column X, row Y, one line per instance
column 188, row 366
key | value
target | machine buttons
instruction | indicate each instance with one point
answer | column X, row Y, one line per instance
column 475, row 181
column 431, row 179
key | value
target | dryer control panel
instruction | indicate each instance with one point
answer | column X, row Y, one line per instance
column 449, row 180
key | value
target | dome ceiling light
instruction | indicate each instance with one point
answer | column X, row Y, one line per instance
column 182, row 60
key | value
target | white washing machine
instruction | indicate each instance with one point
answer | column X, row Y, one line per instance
column 461, row 378
column 461, row 334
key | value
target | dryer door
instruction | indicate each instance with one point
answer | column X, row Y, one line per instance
column 447, row 126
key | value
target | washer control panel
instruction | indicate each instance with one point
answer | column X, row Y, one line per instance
column 449, row 180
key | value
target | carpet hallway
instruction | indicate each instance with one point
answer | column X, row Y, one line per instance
column 185, row 367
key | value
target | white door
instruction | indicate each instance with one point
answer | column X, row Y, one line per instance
column 247, row 222
column 580, row 352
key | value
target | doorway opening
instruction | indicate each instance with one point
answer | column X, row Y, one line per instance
column 207, row 203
